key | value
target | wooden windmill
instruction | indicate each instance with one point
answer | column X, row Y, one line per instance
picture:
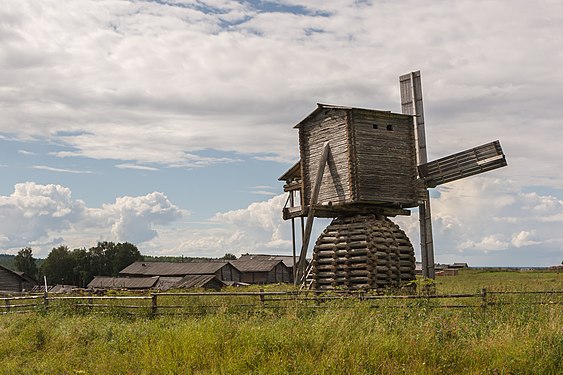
column 360, row 167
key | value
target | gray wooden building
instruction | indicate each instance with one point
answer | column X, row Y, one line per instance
column 14, row 281
column 257, row 270
column 224, row 271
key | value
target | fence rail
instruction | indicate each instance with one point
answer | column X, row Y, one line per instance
column 208, row 302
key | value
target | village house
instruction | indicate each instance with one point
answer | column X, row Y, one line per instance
column 14, row 281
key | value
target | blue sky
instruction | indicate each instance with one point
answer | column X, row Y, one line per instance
column 167, row 123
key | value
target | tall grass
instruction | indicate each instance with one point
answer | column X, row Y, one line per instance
column 337, row 337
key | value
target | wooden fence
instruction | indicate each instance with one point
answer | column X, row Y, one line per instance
column 213, row 302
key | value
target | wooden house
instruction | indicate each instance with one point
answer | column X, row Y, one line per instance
column 371, row 162
column 224, row 271
column 14, row 281
column 256, row 270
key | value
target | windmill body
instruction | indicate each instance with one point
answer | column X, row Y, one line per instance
column 361, row 166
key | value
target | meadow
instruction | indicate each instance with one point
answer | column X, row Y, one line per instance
column 518, row 334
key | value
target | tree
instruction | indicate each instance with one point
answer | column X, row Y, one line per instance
column 229, row 256
column 59, row 266
column 25, row 262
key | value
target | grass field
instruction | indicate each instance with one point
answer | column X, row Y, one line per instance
column 342, row 337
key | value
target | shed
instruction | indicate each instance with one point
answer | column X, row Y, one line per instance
column 262, row 271
column 372, row 159
column 286, row 259
column 222, row 270
column 131, row 283
column 199, row 281
column 14, row 281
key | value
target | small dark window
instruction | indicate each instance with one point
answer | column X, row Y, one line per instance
column 389, row 127
column 375, row 126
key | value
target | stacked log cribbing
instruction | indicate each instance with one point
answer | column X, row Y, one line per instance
column 362, row 252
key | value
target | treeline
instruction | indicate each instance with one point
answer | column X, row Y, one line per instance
column 79, row 266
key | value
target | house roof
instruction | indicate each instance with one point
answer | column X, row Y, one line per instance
column 286, row 259
column 106, row 282
column 20, row 274
column 198, row 281
column 172, row 269
column 252, row 264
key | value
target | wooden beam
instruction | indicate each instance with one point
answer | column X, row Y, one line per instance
column 411, row 104
column 310, row 216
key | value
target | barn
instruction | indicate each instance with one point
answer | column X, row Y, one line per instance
column 223, row 271
column 258, row 270
column 286, row 259
column 14, row 282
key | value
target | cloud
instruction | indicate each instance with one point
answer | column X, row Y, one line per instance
column 33, row 211
column 133, row 217
column 135, row 166
column 24, row 152
column 62, row 170
column 41, row 215
column 121, row 88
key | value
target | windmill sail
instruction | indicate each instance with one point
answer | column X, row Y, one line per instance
column 463, row 164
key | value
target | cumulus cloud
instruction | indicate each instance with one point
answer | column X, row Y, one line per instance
column 33, row 211
column 42, row 215
column 480, row 215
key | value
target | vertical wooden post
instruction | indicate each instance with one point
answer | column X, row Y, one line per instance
column 154, row 304
column 292, row 204
column 46, row 300
column 411, row 104
column 262, row 297
column 310, row 214
column 7, row 302
column 90, row 302
column 483, row 298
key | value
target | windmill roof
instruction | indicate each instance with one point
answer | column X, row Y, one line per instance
column 322, row 107
column 172, row 269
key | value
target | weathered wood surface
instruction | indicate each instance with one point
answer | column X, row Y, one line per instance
column 463, row 164
column 362, row 252
column 372, row 160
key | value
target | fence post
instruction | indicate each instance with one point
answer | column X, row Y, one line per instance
column 483, row 298
column 90, row 302
column 7, row 301
column 46, row 300
column 154, row 304
column 262, row 297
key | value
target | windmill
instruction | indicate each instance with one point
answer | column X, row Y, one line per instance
column 360, row 167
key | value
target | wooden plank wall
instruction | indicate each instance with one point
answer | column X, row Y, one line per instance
column 385, row 158
column 9, row 282
column 328, row 125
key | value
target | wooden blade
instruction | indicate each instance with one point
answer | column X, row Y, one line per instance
column 463, row 164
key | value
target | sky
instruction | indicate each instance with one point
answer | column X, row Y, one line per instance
column 167, row 123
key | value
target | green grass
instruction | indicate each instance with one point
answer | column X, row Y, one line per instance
column 339, row 337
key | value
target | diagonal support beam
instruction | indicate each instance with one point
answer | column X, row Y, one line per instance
column 311, row 214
